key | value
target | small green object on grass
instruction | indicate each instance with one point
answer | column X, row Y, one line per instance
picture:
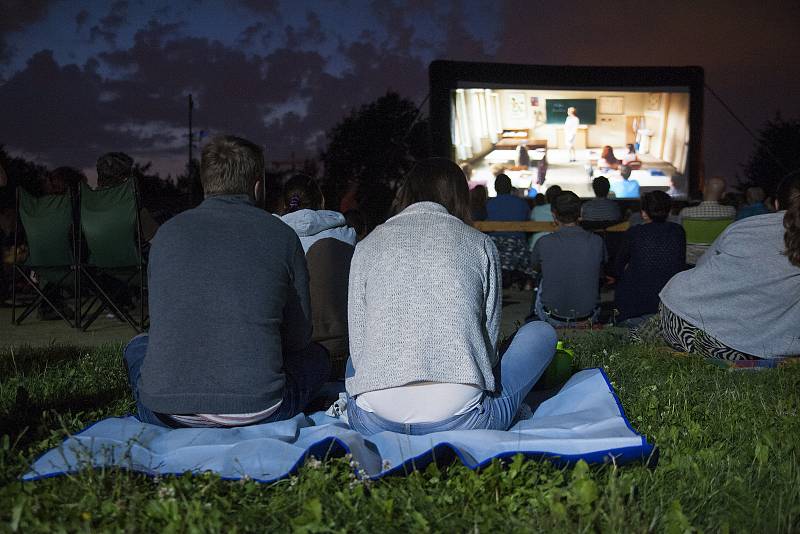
column 560, row 369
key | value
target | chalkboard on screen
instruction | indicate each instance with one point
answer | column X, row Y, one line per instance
column 585, row 109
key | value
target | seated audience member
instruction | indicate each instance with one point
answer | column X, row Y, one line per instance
column 650, row 254
column 709, row 208
column 115, row 168
column 303, row 208
column 631, row 155
column 543, row 212
column 754, row 196
column 608, row 160
column 741, row 300
column 522, row 158
column 230, row 320
column 570, row 262
column 601, row 208
column 625, row 188
column 424, row 310
column 541, row 170
column 677, row 187
column 513, row 250
column 328, row 244
column 355, row 220
column 478, row 197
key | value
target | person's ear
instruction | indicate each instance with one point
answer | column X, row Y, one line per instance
column 258, row 191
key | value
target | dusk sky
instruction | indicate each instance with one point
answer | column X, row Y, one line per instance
column 79, row 78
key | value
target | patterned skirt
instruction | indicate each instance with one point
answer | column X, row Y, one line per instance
column 514, row 254
column 685, row 337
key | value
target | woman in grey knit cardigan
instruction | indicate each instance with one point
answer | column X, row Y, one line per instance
column 424, row 306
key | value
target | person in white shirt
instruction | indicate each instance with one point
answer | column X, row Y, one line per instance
column 571, row 131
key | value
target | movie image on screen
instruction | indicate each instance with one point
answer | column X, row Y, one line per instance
column 543, row 137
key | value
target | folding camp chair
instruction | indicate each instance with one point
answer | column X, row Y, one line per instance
column 704, row 231
column 48, row 222
column 112, row 232
column 700, row 233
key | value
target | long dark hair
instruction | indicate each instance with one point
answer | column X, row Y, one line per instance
column 789, row 200
column 301, row 192
column 435, row 180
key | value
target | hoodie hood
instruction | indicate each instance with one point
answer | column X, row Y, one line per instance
column 313, row 225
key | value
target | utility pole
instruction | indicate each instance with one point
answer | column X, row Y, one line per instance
column 191, row 108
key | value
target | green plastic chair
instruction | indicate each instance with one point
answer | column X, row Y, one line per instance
column 48, row 224
column 111, row 231
column 704, row 231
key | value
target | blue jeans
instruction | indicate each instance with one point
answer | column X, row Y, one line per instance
column 519, row 369
column 306, row 372
column 543, row 315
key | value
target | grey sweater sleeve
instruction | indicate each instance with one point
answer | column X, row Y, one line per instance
column 494, row 297
column 297, row 326
column 356, row 306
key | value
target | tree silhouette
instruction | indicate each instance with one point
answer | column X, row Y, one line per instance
column 373, row 148
column 776, row 155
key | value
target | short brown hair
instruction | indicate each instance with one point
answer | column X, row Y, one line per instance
column 567, row 207
column 435, row 180
column 230, row 166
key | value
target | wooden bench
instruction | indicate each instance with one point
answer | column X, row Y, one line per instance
column 532, row 226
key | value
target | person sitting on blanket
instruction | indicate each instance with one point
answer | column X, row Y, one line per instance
column 506, row 206
column 570, row 261
column 328, row 243
column 741, row 300
column 230, row 335
column 424, row 312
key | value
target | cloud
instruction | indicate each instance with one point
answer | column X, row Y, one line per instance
column 16, row 15
column 262, row 7
column 284, row 96
column 80, row 20
column 109, row 25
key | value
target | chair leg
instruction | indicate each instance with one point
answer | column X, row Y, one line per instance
column 41, row 296
column 107, row 301
column 14, row 294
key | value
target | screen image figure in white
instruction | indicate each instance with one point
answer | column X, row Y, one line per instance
column 571, row 131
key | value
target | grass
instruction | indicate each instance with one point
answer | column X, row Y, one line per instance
column 728, row 442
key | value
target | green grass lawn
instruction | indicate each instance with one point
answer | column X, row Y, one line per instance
column 728, row 443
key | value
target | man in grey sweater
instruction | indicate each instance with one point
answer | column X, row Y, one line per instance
column 230, row 336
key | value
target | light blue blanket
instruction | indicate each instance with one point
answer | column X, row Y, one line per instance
column 584, row 420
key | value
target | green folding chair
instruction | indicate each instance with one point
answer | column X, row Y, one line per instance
column 704, row 231
column 48, row 222
column 111, row 230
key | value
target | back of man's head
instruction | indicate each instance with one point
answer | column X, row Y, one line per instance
column 625, row 172
column 567, row 207
column 552, row 192
column 601, row 186
column 113, row 168
column 714, row 188
column 502, row 184
column 231, row 166
column 755, row 195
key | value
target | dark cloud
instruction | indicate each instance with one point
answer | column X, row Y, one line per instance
column 15, row 16
column 248, row 35
column 262, row 7
column 309, row 35
column 109, row 25
column 80, row 19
